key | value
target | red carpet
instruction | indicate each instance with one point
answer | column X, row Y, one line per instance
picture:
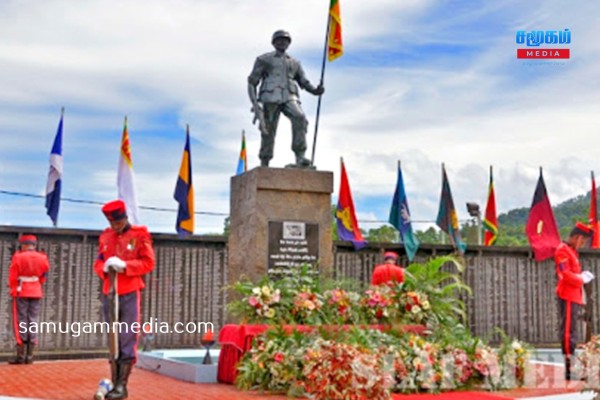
column 451, row 396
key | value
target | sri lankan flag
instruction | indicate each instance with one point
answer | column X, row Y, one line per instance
column 347, row 224
column 490, row 221
column 335, row 48
column 184, row 192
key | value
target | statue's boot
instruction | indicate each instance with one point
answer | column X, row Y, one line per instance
column 302, row 161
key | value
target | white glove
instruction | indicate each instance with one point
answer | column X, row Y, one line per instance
column 116, row 264
column 106, row 266
column 587, row 276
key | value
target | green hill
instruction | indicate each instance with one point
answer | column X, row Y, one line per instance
column 511, row 225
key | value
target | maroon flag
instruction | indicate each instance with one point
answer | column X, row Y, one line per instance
column 541, row 228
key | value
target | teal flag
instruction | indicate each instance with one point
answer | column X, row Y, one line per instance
column 401, row 220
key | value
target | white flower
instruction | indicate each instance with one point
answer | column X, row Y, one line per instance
column 256, row 290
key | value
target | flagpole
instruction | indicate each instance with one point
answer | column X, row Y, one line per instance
column 587, row 288
column 62, row 114
column 314, row 145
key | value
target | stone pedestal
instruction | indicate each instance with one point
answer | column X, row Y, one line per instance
column 268, row 201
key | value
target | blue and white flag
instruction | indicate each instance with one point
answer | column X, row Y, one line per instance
column 55, row 174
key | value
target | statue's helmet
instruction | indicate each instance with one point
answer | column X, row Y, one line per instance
column 281, row 34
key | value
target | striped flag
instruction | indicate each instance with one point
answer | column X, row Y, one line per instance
column 447, row 218
column 126, row 178
column 490, row 220
column 335, row 47
column 345, row 214
column 184, row 192
column 400, row 218
column 54, row 183
column 243, row 162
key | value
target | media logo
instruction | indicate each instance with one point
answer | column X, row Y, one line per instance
column 535, row 40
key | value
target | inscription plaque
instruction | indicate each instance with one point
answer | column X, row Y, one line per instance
column 291, row 245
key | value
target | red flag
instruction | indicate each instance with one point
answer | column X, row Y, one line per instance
column 345, row 214
column 593, row 218
column 490, row 221
column 541, row 228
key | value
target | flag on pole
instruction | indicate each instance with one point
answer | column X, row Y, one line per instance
column 345, row 214
column 541, row 228
column 447, row 218
column 593, row 218
column 400, row 218
column 126, row 179
column 54, row 183
column 335, row 47
column 184, row 192
column 243, row 162
column 490, row 220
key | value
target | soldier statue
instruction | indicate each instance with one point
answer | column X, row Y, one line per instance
column 277, row 72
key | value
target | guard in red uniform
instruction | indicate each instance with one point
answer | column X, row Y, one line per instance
column 127, row 250
column 27, row 272
column 388, row 271
column 569, row 288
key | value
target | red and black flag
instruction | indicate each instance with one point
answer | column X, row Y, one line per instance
column 541, row 228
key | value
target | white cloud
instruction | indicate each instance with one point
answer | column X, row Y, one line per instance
column 424, row 82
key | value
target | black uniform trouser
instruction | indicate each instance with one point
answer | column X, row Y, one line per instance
column 568, row 325
column 26, row 313
column 129, row 313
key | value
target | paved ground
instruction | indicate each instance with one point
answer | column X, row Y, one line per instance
column 74, row 380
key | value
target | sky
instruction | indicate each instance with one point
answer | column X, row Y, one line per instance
column 421, row 81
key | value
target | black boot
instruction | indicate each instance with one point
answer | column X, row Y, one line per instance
column 114, row 372
column 20, row 358
column 120, row 390
column 567, row 368
column 29, row 356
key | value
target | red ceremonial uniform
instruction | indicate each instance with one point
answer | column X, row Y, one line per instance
column 28, row 271
column 570, row 284
column 134, row 246
column 385, row 273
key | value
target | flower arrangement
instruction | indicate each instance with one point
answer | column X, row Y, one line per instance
column 263, row 300
column 487, row 365
column 415, row 305
column 274, row 363
column 363, row 363
column 515, row 356
column 334, row 370
column 423, row 370
column 588, row 366
column 456, row 367
column 378, row 304
column 307, row 306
